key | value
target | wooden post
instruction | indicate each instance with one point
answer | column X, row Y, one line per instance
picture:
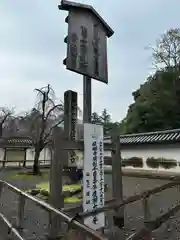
column 87, row 105
column 20, row 217
column 117, row 180
column 24, row 162
column 147, row 216
column 146, row 209
column 56, row 180
column 4, row 160
column 70, row 124
column 1, row 188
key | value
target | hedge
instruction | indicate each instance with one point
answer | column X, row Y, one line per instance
column 161, row 162
column 133, row 162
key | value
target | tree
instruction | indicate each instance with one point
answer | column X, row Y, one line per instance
column 166, row 53
column 43, row 118
column 157, row 105
column 156, row 102
column 122, row 126
column 95, row 118
column 105, row 117
column 5, row 116
column 105, row 120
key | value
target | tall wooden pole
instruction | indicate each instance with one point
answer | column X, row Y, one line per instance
column 87, row 104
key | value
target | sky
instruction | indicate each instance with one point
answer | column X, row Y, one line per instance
column 32, row 49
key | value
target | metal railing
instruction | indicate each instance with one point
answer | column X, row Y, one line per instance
column 17, row 230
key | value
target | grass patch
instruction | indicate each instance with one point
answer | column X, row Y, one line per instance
column 69, row 188
column 29, row 176
column 72, row 193
column 72, row 200
column 42, row 191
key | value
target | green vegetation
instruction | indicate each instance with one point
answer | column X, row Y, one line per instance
column 105, row 119
column 70, row 188
column 29, row 176
column 156, row 102
column 72, row 193
column 161, row 162
column 133, row 162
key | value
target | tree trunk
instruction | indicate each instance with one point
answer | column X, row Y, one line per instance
column 36, row 169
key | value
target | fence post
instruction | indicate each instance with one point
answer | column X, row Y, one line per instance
column 146, row 209
column 1, row 188
column 117, row 180
column 4, row 159
column 56, row 180
column 147, row 216
column 20, row 217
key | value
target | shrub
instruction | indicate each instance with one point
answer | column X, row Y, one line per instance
column 152, row 163
column 123, row 164
column 161, row 162
column 167, row 163
column 133, row 162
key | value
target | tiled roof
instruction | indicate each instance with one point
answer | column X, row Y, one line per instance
column 22, row 141
column 150, row 137
column 167, row 136
column 16, row 142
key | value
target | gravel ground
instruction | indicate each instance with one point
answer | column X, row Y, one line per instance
column 35, row 222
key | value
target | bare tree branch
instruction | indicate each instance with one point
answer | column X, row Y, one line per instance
column 45, row 116
column 5, row 114
column 59, row 107
column 166, row 53
column 50, row 130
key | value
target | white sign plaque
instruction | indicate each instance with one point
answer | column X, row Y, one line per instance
column 93, row 180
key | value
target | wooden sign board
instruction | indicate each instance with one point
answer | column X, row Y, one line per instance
column 87, row 45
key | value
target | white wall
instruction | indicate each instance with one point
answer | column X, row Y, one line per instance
column 168, row 151
column 30, row 154
column 44, row 155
